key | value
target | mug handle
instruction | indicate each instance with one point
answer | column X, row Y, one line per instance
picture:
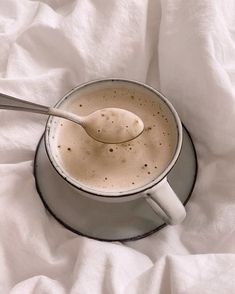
column 165, row 203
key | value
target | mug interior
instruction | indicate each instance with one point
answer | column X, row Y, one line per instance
column 53, row 123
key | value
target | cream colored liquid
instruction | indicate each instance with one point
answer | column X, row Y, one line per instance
column 117, row 167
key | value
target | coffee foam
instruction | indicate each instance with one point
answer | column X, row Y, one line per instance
column 117, row 167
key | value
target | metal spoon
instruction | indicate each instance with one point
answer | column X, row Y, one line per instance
column 107, row 125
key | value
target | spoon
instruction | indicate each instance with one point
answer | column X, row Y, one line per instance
column 107, row 125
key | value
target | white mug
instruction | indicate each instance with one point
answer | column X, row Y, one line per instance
column 158, row 193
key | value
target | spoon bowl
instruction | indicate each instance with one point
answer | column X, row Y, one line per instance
column 113, row 125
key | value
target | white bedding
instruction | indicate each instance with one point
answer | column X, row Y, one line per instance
column 184, row 48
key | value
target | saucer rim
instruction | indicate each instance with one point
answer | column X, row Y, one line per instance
column 138, row 237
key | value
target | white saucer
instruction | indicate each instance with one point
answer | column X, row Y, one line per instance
column 125, row 221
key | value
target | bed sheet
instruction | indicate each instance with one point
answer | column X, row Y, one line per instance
column 185, row 49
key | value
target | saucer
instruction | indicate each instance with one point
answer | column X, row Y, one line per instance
column 126, row 221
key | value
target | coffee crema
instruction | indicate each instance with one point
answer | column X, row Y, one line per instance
column 117, row 167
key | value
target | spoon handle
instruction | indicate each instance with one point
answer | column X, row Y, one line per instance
column 12, row 103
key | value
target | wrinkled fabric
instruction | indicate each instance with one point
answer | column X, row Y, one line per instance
column 185, row 49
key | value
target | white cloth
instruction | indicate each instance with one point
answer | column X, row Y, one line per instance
column 184, row 48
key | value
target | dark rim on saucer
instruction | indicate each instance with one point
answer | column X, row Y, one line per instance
column 136, row 191
column 110, row 240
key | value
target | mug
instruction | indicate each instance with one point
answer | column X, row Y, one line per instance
column 158, row 193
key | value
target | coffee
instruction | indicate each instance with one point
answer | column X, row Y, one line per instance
column 117, row 167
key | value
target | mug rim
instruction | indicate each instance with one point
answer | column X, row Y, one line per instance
column 122, row 194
